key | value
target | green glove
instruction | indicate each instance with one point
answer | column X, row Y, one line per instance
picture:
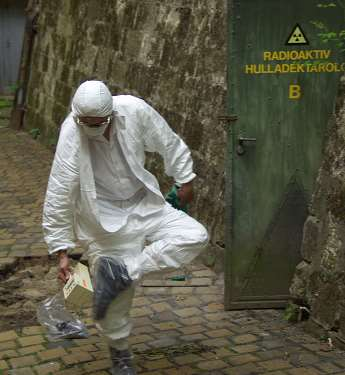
column 174, row 200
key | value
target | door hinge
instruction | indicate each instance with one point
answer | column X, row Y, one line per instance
column 227, row 120
column 230, row 118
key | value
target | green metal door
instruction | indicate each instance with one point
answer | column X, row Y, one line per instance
column 282, row 87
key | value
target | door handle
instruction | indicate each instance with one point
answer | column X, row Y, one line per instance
column 240, row 149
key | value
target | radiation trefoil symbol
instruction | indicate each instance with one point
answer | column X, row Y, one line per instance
column 297, row 37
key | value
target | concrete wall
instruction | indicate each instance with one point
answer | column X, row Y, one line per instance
column 320, row 279
column 171, row 53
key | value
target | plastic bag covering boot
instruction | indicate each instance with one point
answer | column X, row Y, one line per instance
column 110, row 279
column 61, row 324
column 121, row 362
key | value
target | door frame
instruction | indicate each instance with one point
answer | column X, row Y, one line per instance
column 230, row 56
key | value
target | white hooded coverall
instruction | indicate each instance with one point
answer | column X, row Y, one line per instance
column 143, row 231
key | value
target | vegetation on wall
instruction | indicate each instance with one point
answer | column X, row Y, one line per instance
column 326, row 32
column 5, row 103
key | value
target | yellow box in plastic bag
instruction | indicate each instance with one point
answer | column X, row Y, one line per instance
column 78, row 290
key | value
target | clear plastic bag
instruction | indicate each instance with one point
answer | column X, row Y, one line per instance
column 110, row 278
column 61, row 324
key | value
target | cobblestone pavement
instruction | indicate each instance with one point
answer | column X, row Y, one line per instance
column 24, row 169
column 180, row 327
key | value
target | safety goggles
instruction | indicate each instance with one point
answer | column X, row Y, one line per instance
column 83, row 123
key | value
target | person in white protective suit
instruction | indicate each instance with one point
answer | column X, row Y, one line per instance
column 100, row 194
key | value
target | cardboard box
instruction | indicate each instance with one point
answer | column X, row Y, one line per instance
column 78, row 290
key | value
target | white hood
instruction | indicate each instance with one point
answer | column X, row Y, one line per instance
column 93, row 99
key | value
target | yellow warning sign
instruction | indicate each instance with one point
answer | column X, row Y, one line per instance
column 297, row 37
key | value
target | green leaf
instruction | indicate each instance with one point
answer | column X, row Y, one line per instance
column 53, row 141
column 318, row 24
column 13, row 88
column 291, row 312
column 5, row 103
column 35, row 133
column 178, row 278
column 329, row 5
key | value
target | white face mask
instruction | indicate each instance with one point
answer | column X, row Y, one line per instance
column 94, row 132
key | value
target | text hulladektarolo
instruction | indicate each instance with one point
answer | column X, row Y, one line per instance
column 303, row 61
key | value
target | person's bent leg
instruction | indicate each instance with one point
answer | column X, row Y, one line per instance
column 110, row 279
column 115, row 327
column 175, row 240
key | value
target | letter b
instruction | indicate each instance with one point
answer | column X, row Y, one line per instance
column 295, row 91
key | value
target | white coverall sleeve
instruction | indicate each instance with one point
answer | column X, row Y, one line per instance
column 159, row 137
column 62, row 190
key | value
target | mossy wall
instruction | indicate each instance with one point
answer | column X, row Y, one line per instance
column 319, row 281
column 172, row 53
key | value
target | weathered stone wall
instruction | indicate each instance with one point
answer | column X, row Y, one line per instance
column 320, row 278
column 172, row 53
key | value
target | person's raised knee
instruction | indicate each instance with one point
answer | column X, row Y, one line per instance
column 201, row 236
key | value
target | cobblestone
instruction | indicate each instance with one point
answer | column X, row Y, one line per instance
column 28, row 360
column 3, row 365
column 49, row 354
column 179, row 328
column 47, row 368
column 8, row 335
column 31, row 340
column 244, row 339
